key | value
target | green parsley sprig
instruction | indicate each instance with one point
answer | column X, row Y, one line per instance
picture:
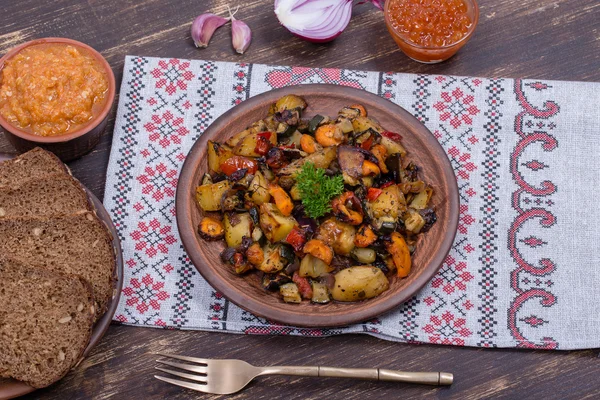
column 317, row 189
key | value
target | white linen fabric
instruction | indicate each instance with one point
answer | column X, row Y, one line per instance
column 524, row 270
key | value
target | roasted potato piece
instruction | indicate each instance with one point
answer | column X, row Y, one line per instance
column 236, row 227
column 217, row 153
column 290, row 293
column 208, row 197
column 258, row 189
column 311, row 266
column 235, row 139
column 338, row 235
column 363, row 255
column 392, row 146
column 247, row 145
column 273, row 261
column 362, row 124
column 320, row 159
column 386, row 204
column 211, row 229
column 290, row 102
column 274, row 224
column 359, row 283
column 421, row 199
column 413, row 221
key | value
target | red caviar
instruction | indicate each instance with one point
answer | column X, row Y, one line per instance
column 430, row 23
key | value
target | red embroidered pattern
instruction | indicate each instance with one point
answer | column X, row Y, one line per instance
column 526, row 272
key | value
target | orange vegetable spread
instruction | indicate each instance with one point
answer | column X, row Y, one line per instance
column 52, row 89
column 430, row 23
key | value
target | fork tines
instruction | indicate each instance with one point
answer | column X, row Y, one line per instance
column 199, row 370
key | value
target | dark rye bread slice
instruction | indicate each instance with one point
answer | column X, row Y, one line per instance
column 77, row 244
column 36, row 163
column 56, row 194
column 45, row 322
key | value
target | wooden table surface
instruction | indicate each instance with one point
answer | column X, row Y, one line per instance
column 557, row 39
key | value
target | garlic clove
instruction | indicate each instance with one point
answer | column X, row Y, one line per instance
column 241, row 35
column 204, row 26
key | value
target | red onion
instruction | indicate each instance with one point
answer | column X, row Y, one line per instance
column 317, row 21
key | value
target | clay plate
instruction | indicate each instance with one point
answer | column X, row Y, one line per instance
column 10, row 388
column 245, row 291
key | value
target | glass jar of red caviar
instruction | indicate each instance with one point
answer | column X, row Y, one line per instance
column 431, row 31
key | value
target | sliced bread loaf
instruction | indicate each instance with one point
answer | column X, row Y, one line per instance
column 76, row 244
column 36, row 163
column 57, row 194
column 45, row 322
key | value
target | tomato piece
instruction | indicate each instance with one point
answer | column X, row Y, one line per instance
column 303, row 286
column 367, row 143
column 263, row 144
column 391, row 135
column 236, row 163
column 390, row 183
column 296, row 238
column 373, row 194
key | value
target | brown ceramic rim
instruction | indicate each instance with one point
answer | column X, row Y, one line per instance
column 97, row 120
column 10, row 388
column 274, row 310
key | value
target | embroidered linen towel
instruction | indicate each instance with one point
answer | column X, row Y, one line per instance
column 524, row 270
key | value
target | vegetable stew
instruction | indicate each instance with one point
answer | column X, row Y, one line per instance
column 324, row 209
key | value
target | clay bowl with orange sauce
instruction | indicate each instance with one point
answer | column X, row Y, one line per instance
column 78, row 138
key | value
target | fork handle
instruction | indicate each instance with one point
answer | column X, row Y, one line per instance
column 424, row 378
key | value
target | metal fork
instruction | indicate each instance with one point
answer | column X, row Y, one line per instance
column 230, row 376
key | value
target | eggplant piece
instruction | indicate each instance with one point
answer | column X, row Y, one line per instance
column 272, row 282
column 430, row 218
column 410, row 173
column 302, row 126
column 394, row 165
column 276, row 158
column 231, row 200
column 285, row 130
column 313, row 124
column 287, row 253
column 293, row 267
column 288, row 117
column 320, row 293
column 351, row 160
column 227, row 255
column 238, row 175
column 348, row 112
column 294, row 154
column 255, row 215
column 382, row 265
column 387, row 227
